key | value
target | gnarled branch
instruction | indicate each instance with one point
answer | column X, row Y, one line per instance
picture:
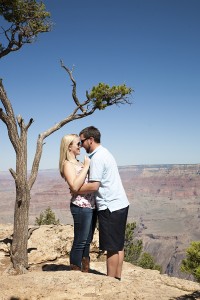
column 100, row 97
column 29, row 123
column 70, row 72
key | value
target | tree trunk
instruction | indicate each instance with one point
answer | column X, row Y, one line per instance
column 19, row 253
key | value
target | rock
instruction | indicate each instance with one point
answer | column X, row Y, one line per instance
column 51, row 242
column 50, row 278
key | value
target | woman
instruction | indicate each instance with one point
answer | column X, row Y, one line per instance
column 82, row 206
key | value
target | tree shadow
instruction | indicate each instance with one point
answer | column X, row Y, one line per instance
column 16, row 298
column 194, row 296
column 55, row 267
column 97, row 272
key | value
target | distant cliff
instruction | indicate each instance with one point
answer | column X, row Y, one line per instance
column 165, row 203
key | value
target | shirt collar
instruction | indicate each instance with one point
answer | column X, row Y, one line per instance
column 91, row 154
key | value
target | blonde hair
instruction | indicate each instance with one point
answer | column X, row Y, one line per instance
column 66, row 141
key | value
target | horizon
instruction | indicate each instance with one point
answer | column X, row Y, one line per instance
column 124, row 166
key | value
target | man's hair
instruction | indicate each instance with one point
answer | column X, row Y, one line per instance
column 91, row 131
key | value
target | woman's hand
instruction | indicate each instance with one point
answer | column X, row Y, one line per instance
column 86, row 161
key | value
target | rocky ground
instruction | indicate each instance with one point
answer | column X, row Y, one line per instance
column 55, row 281
column 50, row 278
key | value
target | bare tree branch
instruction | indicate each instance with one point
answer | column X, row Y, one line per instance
column 19, row 120
column 30, row 230
column 87, row 96
column 70, row 72
column 14, row 175
column 45, row 134
column 91, row 105
column 29, row 124
column 3, row 116
column 9, row 118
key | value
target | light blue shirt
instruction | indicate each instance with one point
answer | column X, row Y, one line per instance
column 103, row 168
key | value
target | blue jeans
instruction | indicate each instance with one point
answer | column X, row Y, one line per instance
column 84, row 226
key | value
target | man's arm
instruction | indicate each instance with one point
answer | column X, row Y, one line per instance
column 90, row 187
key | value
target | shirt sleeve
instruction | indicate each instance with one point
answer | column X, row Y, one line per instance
column 96, row 169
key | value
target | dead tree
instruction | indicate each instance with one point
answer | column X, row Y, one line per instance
column 100, row 97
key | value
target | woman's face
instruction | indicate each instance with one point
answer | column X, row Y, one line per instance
column 75, row 146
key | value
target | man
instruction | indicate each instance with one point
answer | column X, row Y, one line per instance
column 111, row 199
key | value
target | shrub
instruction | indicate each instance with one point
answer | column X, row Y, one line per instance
column 191, row 264
column 46, row 218
column 146, row 261
column 133, row 250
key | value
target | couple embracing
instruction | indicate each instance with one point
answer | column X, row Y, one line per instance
column 97, row 190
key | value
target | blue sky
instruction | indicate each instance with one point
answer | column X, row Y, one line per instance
column 151, row 45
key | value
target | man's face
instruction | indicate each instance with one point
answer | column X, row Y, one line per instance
column 85, row 143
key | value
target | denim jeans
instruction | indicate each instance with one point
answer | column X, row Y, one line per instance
column 84, row 226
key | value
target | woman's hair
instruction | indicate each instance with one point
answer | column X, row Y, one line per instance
column 66, row 141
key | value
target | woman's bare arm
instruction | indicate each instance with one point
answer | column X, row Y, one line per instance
column 75, row 181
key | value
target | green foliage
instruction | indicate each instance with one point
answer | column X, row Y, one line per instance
column 191, row 264
column 26, row 13
column 46, row 218
column 27, row 18
column 133, row 250
column 130, row 227
column 146, row 261
column 103, row 95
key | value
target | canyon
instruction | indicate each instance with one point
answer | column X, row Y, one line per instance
column 164, row 203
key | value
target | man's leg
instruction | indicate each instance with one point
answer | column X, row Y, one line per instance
column 120, row 263
column 112, row 263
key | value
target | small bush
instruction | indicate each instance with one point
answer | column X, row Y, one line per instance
column 191, row 264
column 133, row 251
column 133, row 248
column 146, row 261
column 46, row 218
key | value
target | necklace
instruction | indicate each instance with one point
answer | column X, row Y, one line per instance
column 77, row 163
